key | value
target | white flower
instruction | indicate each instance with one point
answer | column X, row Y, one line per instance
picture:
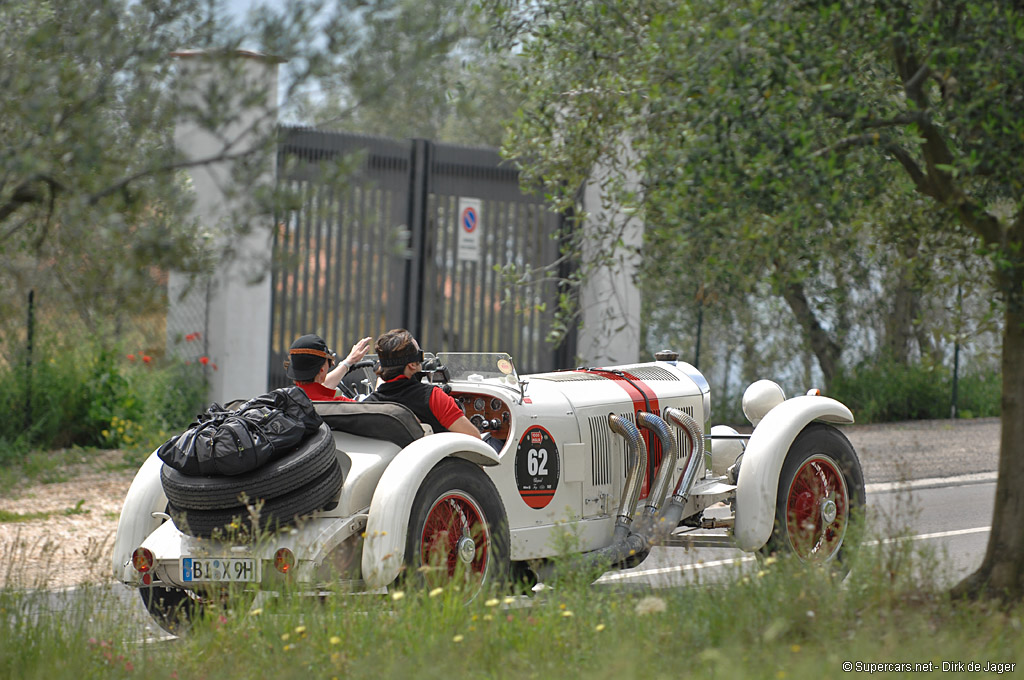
column 650, row 605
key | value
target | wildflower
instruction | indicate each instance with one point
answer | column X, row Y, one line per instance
column 493, row 602
column 458, row 638
column 488, row 617
column 599, row 627
column 436, row 591
column 567, row 613
column 300, row 630
column 509, row 599
column 650, row 605
column 288, row 647
column 146, row 358
column 761, row 573
column 213, row 366
column 131, row 357
column 257, row 611
column 285, row 636
column 129, row 666
column 795, row 649
column 397, row 595
column 810, row 613
column 335, row 640
column 204, row 360
column 770, row 561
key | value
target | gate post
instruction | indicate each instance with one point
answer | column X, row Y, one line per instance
column 229, row 310
column 419, row 190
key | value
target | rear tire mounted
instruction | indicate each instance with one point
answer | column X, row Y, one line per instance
column 275, row 512
column 309, row 461
column 821, row 487
column 458, row 529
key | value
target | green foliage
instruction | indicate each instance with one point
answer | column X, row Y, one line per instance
column 767, row 619
column 88, row 394
column 887, row 391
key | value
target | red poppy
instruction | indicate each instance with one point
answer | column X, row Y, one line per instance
column 204, row 360
column 146, row 358
column 131, row 357
column 214, row 366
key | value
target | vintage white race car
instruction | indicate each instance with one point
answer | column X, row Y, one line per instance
column 614, row 457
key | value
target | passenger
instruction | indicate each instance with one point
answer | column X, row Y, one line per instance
column 311, row 366
column 401, row 361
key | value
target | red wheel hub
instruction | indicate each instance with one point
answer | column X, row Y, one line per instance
column 455, row 536
column 817, row 509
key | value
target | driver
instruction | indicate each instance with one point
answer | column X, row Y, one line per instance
column 311, row 366
column 401, row 363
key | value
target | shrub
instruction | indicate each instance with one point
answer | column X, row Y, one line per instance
column 94, row 394
column 887, row 391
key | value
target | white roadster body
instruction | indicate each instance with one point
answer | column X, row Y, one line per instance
column 615, row 457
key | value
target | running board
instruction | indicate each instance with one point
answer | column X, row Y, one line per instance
column 699, row 541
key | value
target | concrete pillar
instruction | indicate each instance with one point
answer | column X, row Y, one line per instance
column 610, row 297
column 223, row 321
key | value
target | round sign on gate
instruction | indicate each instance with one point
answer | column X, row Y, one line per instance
column 469, row 218
column 537, row 467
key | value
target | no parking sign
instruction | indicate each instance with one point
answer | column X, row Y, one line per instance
column 469, row 228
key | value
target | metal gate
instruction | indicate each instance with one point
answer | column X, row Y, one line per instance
column 371, row 241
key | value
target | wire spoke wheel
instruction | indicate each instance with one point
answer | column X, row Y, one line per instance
column 455, row 538
column 817, row 509
column 458, row 532
column 821, row 487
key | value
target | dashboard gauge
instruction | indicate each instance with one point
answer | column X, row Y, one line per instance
column 478, row 404
column 495, row 404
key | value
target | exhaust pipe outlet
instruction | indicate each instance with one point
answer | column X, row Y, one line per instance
column 669, row 455
column 636, row 445
column 666, row 523
column 625, row 547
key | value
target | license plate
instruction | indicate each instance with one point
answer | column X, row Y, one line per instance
column 232, row 569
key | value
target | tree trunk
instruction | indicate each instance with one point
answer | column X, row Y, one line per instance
column 1002, row 571
column 826, row 350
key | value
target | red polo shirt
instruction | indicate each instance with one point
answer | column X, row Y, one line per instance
column 317, row 392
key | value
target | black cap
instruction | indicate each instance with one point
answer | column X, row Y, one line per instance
column 306, row 356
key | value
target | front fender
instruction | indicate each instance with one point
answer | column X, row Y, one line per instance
column 391, row 507
column 145, row 496
column 758, row 483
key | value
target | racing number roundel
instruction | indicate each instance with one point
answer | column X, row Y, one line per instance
column 537, row 467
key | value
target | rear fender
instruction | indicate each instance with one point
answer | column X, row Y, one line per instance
column 391, row 507
column 145, row 496
column 758, row 483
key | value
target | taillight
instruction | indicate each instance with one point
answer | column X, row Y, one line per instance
column 284, row 560
column 142, row 560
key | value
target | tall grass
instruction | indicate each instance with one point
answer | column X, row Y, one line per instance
column 775, row 619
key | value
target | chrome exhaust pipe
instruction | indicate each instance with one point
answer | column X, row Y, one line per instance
column 666, row 523
column 669, row 456
column 631, row 491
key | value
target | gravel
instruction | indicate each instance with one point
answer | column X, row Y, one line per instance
column 71, row 546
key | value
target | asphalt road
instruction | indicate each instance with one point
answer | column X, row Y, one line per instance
column 948, row 516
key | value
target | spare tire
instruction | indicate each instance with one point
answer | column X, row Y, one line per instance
column 276, row 512
column 308, row 461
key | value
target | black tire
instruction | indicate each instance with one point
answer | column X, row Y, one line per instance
column 821, row 487
column 308, row 462
column 457, row 495
column 275, row 513
column 173, row 609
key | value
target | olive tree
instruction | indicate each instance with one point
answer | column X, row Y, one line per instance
column 781, row 144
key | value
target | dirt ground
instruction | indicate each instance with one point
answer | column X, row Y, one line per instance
column 72, row 544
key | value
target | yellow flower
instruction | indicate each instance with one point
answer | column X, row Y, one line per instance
column 285, row 636
column 458, row 638
column 257, row 611
column 436, row 591
column 567, row 613
column 493, row 602
column 300, row 630
column 335, row 640
column 650, row 605
column 397, row 595
column 488, row 617
column 795, row 649
column 509, row 599
column 599, row 627
column 770, row 561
